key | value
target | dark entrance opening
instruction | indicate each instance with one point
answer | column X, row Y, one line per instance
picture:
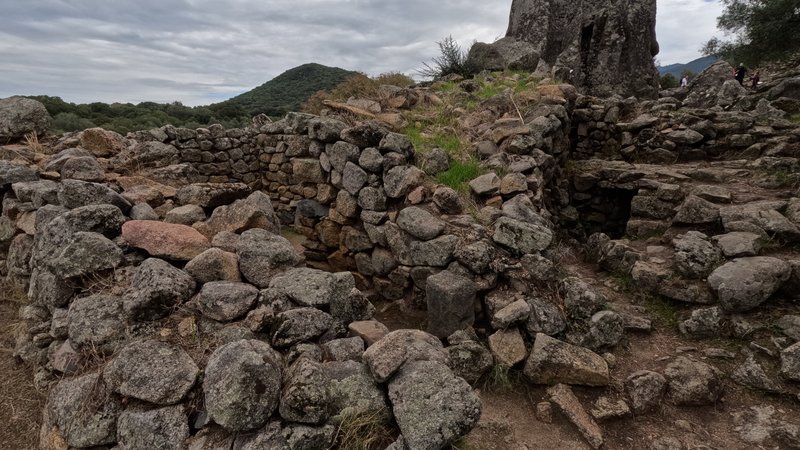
column 604, row 211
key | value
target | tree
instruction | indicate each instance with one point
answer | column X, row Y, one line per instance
column 761, row 30
column 668, row 81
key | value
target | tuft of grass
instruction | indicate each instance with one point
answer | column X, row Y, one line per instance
column 623, row 280
column 460, row 174
column 363, row 432
column 489, row 90
column 14, row 290
column 440, row 134
column 501, row 379
column 665, row 312
column 32, row 141
column 448, row 87
column 794, row 118
column 450, row 143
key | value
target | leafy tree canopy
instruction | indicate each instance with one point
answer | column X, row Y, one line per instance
column 759, row 30
column 669, row 81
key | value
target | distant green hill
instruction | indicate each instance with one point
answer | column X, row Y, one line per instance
column 289, row 90
column 285, row 93
column 696, row 66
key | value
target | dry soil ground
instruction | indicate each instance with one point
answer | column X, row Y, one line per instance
column 20, row 403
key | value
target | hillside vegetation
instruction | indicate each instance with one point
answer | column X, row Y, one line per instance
column 289, row 90
column 126, row 117
column 285, row 93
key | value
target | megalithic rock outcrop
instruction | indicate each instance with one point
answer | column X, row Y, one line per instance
column 604, row 47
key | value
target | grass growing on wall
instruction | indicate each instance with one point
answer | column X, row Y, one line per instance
column 460, row 174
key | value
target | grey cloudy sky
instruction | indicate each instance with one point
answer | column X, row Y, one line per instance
column 204, row 51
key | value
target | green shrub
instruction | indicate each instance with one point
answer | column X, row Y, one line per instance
column 452, row 61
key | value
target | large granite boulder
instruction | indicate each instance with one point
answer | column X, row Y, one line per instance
column 242, row 384
column 432, row 406
column 745, row 283
column 262, row 255
column 584, row 43
column 255, row 211
column 162, row 428
column 20, row 116
column 84, row 426
column 157, row 287
column 705, row 89
column 151, row 371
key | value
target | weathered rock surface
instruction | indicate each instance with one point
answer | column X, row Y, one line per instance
column 300, row 325
column 168, row 240
column 20, row 116
column 253, row 212
column 211, row 195
column 571, row 407
column 522, row 237
column 151, row 371
column 214, row 264
column 305, row 398
column 96, row 322
column 420, row 223
column 582, row 43
column 84, row 427
column 400, row 347
column 353, row 391
column 139, row 428
column 85, row 254
column 262, row 255
column 553, row 361
column 646, row 390
column 75, row 193
column 312, row 287
column 693, row 382
column 242, row 384
column 745, row 283
column 432, row 406
column 225, row 301
column 508, row 347
column 157, row 287
column 451, row 303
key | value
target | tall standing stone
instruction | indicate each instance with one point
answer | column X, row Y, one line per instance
column 604, row 47
column 451, row 303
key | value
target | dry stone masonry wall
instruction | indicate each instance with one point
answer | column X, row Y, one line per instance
column 217, row 288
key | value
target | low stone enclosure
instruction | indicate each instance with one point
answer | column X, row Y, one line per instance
column 168, row 309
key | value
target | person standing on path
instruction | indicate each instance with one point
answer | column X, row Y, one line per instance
column 740, row 73
column 755, row 79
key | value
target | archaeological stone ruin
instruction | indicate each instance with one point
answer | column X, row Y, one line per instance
column 628, row 265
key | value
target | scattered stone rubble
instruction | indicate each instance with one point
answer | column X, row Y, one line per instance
column 166, row 296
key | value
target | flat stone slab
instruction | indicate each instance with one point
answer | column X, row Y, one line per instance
column 167, row 240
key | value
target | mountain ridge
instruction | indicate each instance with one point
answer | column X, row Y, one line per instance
column 696, row 66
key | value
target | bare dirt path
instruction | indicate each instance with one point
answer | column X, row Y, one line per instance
column 20, row 403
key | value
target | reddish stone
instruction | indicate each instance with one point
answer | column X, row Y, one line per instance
column 167, row 240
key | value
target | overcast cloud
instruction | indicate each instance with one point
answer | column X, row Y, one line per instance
column 204, row 51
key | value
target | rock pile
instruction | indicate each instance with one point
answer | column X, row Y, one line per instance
column 165, row 294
